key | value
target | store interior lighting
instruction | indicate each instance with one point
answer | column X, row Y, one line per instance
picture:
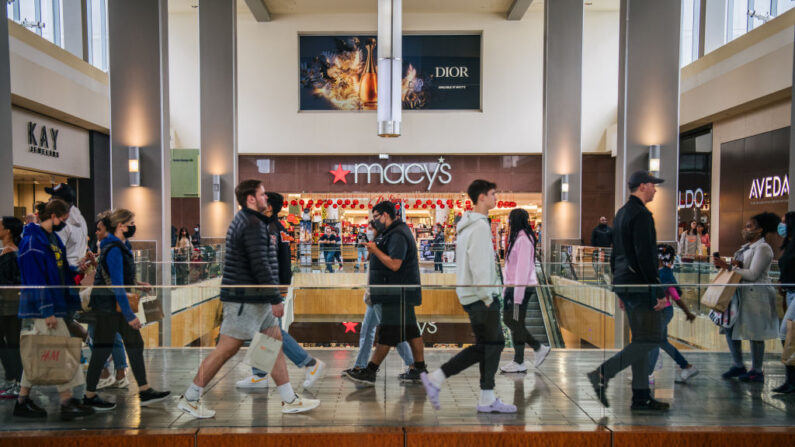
column 135, row 165
column 654, row 160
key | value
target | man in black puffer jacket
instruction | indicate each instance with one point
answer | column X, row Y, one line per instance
column 251, row 258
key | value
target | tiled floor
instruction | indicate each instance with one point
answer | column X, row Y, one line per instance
column 557, row 394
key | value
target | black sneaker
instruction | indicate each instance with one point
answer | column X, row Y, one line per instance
column 28, row 409
column 98, row 404
column 152, row 396
column 365, row 376
column 411, row 376
column 75, row 409
column 347, row 373
column 599, row 386
column 650, row 404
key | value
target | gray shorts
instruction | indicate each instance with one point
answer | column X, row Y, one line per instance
column 255, row 317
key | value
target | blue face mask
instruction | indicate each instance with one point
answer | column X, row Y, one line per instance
column 782, row 229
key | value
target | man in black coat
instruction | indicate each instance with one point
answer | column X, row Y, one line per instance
column 635, row 267
column 602, row 234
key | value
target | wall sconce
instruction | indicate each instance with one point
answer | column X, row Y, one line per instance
column 654, row 160
column 564, row 188
column 216, row 188
column 135, row 165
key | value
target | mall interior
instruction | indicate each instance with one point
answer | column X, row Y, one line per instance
column 163, row 106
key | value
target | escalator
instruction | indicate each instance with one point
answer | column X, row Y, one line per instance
column 541, row 318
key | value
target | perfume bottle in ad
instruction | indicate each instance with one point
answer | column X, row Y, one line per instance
column 368, row 82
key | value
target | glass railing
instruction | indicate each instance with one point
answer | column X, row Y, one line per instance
column 327, row 319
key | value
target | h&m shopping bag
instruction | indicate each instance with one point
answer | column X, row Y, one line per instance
column 262, row 352
column 49, row 359
column 788, row 356
column 719, row 293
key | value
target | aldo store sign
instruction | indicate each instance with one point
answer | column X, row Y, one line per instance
column 44, row 144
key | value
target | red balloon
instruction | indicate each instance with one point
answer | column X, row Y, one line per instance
column 424, row 206
column 449, row 202
column 294, row 203
column 347, row 201
column 355, row 202
column 428, row 201
column 361, row 207
column 285, row 203
column 433, row 206
column 318, row 205
column 370, row 206
column 439, row 202
column 335, row 206
column 441, row 206
column 339, row 201
column 469, row 202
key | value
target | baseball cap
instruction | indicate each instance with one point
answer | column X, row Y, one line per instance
column 639, row 177
column 62, row 191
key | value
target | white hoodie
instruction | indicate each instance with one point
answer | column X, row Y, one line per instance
column 475, row 261
column 75, row 236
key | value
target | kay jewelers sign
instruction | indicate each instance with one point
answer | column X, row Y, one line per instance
column 395, row 173
column 47, row 145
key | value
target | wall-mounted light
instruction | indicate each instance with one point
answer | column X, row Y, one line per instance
column 135, row 165
column 654, row 160
column 216, row 188
column 390, row 67
column 564, row 188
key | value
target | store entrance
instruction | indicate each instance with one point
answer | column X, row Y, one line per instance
column 29, row 189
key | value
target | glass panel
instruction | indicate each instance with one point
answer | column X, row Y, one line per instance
column 784, row 6
column 738, row 20
column 27, row 15
column 761, row 13
column 47, row 20
column 98, row 41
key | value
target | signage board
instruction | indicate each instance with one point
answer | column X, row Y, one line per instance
column 44, row 144
column 185, row 173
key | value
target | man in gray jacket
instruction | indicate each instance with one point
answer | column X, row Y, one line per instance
column 475, row 265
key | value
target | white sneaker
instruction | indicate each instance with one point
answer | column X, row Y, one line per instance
column 299, row 405
column 253, row 382
column 659, row 365
column 687, row 373
column 541, row 355
column 314, row 373
column 106, row 382
column 195, row 408
column 124, row 382
column 514, row 367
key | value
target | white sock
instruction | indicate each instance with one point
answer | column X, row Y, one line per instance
column 286, row 392
column 437, row 378
column 194, row 392
column 487, row 397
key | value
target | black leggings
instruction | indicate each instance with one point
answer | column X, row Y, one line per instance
column 519, row 333
column 10, row 326
column 108, row 324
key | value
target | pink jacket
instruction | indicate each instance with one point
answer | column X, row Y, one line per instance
column 520, row 267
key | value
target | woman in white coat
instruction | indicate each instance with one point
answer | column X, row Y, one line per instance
column 756, row 318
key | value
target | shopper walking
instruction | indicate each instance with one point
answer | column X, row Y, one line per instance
column 10, row 325
column 327, row 244
column 690, row 243
column 251, row 258
column 786, row 265
column 372, row 318
column 667, row 256
column 602, row 234
column 756, row 318
column 75, row 233
column 520, row 272
column 393, row 261
column 475, row 265
column 361, row 249
column 437, row 245
column 634, row 263
column 314, row 369
column 114, row 314
column 43, row 262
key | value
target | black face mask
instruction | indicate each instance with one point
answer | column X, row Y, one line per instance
column 130, row 231
column 379, row 226
column 59, row 227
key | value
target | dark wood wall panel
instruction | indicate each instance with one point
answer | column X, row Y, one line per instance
column 598, row 192
column 185, row 212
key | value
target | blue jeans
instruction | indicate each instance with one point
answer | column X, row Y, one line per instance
column 790, row 315
column 372, row 317
column 668, row 315
column 329, row 258
column 292, row 350
column 117, row 354
column 361, row 256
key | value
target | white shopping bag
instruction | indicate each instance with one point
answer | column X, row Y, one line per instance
column 262, row 352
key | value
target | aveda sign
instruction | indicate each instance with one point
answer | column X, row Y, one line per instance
column 771, row 187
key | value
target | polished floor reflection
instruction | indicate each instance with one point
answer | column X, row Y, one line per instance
column 556, row 394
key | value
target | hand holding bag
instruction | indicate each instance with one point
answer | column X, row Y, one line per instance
column 49, row 359
column 262, row 352
column 719, row 294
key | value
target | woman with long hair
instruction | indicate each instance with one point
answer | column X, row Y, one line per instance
column 786, row 264
column 690, row 242
column 183, row 239
column 114, row 312
column 756, row 317
column 520, row 272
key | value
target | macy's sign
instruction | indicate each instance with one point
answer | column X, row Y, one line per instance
column 396, row 173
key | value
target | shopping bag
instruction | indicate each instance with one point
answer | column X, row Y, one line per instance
column 49, row 359
column 262, row 352
column 719, row 293
column 788, row 356
column 152, row 309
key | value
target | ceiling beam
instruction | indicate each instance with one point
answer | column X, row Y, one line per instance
column 260, row 10
column 517, row 9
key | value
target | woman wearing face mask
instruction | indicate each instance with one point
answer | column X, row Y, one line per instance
column 116, row 267
column 756, row 317
column 786, row 264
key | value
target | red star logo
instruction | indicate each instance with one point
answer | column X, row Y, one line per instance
column 350, row 326
column 339, row 174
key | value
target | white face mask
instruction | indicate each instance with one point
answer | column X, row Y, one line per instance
column 370, row 235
